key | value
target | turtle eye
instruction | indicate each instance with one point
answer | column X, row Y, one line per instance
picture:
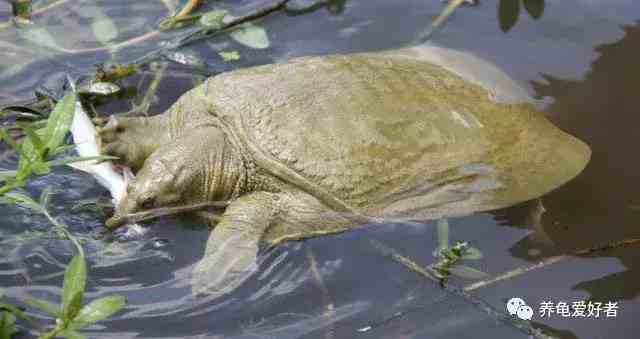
column 148, row 203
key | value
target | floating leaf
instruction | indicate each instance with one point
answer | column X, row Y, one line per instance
column 104, row 29
column 252, row 36
column 44, row 306
column 535, row 8
column 213, row 19
column 508, row 12
column 230, row 56
column 75, row 279
column 467, row 272
column 100, row 88
column 97, row 310
column 187, row 57
column 472, row 253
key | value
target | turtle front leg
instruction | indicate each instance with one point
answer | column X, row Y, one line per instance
column 133, row 139
column 255, row 219
column 231, row 253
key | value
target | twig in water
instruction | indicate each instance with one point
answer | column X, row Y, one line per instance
column 329, row 312
column 482, row 305
column 207, row 32
column 162, row 211
column 440, row 20
column 548, row 262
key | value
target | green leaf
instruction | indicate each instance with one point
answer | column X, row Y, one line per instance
column 44, row 306
column 104, row 29
column 28, row 157
column 467, row 272
column 472, row 253
column 16, row 312
column 61, row 149
column 98, row 310
column 24, row 201
column 34, row 139
column 41, row 168
column 7, row 325
column 7, row 175
column 71, row 334
column 214, row 19
column 75, row 279
column 252, row 36
column 508, row 12
column 535, row 8
column 60, row 121
column 4, row 136
column 229, row 56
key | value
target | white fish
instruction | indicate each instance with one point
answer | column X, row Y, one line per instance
column 86, row 140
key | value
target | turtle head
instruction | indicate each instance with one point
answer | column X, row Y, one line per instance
column 160, row 183
column 199, row 167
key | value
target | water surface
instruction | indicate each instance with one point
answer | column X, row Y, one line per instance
column 581, row 56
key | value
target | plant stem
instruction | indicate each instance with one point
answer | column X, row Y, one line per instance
column 440, row 21
column 329, row 312
column 548, row 262
column 482, row 305
column 63, row 229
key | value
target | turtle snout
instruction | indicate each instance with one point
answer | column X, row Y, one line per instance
column 127, row 205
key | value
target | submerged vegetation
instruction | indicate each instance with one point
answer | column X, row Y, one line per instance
column 70, row 315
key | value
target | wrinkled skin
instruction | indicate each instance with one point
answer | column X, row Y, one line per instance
column 323, row 144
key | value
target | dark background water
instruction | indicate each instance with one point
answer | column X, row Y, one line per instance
column 582, row 55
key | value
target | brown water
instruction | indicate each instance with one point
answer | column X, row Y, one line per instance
column 579, row 55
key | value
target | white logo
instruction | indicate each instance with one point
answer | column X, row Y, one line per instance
column 519, row 308
column 525, row 312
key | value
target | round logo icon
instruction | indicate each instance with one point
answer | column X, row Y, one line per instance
column 513, row 304
column 525, row 312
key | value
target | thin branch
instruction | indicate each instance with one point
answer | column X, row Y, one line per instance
column 440, row 20
column 480, row 304
column 188, row 38
column 548, row 262
column 329, row 312
column 163, row 211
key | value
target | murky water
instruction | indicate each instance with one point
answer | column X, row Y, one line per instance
column 582, row 55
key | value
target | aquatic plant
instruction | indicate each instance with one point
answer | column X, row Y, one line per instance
column 70, row 316
column 41, row 145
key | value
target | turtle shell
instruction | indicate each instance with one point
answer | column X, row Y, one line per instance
column 388, row 134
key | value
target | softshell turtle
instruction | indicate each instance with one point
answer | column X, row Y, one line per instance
column 318, row 145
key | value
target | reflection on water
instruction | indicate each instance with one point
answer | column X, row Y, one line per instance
column 355, row 286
